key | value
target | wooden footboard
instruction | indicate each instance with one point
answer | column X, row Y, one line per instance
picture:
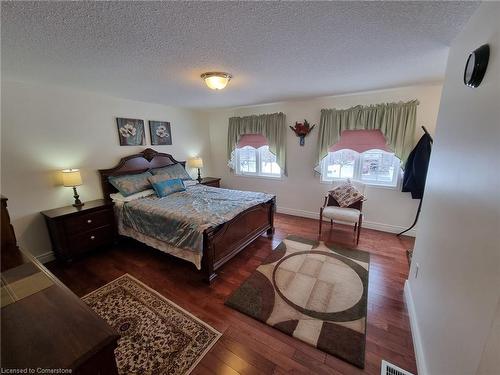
column 222, row 243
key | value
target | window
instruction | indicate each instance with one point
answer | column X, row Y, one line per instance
column 260, row 161
column 373, row 167
column 339, row 165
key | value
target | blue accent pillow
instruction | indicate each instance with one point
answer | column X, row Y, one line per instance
column 168, row 186
column 173, row 171
column 131, row 183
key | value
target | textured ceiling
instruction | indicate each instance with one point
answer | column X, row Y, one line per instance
column 156, row 51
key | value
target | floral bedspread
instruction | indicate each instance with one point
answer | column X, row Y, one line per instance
column 180, row 218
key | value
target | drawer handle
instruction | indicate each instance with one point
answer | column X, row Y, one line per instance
column 89, row 221
column 92, row 237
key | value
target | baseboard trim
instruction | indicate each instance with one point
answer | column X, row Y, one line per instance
column 366, row 224
column 46, row 257
column 49, row 255
column 415, row 332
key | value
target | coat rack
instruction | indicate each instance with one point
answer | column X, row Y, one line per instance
column 420, row 203
column 429, row 134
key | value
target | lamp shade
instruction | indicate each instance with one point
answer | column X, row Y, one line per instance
column 71, row 177
column 195, row 162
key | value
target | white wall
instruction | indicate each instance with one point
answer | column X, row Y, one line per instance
column 457, row 248
column 490, row 361
column 301, row 192
column 46, row 129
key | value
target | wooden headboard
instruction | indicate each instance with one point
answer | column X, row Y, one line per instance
column 133, row 164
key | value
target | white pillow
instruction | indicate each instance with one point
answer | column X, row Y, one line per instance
column 190, row 183
column 118, row 197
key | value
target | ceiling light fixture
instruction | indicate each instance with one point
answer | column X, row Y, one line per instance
column 216, row 80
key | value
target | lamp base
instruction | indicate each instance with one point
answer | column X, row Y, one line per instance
column 199, row 176
column 78, row 203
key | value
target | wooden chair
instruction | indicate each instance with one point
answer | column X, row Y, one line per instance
column 350, row 215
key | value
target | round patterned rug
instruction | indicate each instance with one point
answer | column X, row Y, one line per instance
column 312, row 291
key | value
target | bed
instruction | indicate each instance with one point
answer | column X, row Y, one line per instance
column 219, row 242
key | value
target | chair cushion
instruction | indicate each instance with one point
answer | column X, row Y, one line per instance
column 349, row 215
column 346, row 194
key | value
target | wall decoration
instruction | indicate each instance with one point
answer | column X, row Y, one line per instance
column 302, row 130
column 130, row 131
column 160, row 133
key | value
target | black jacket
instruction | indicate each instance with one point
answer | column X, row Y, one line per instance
column 416, row 167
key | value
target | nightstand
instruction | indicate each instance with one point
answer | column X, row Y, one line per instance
column 210, row 181
column 74, row 231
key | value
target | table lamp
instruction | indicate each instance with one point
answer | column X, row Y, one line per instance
column 196, row 163
column 72, row 178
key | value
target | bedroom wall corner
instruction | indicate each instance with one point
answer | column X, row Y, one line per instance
column 47, row 128
column 301, row 192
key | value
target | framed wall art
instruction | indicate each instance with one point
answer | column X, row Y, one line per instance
column 160, row 132
column 130, row 131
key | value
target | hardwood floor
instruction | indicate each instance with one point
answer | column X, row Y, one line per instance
column 248, row 346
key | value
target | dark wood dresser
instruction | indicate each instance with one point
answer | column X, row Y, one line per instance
column 210, row 181
column 47, row 327
column 74, row 231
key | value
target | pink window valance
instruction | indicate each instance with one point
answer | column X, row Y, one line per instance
column 360, row 141
column 252, row 140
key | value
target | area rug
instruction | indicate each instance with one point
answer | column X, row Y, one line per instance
column 313, row 291
column 157, row 336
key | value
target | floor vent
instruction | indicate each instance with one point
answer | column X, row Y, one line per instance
column 390, row 369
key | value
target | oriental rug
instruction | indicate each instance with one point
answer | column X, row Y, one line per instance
column 157, row 336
